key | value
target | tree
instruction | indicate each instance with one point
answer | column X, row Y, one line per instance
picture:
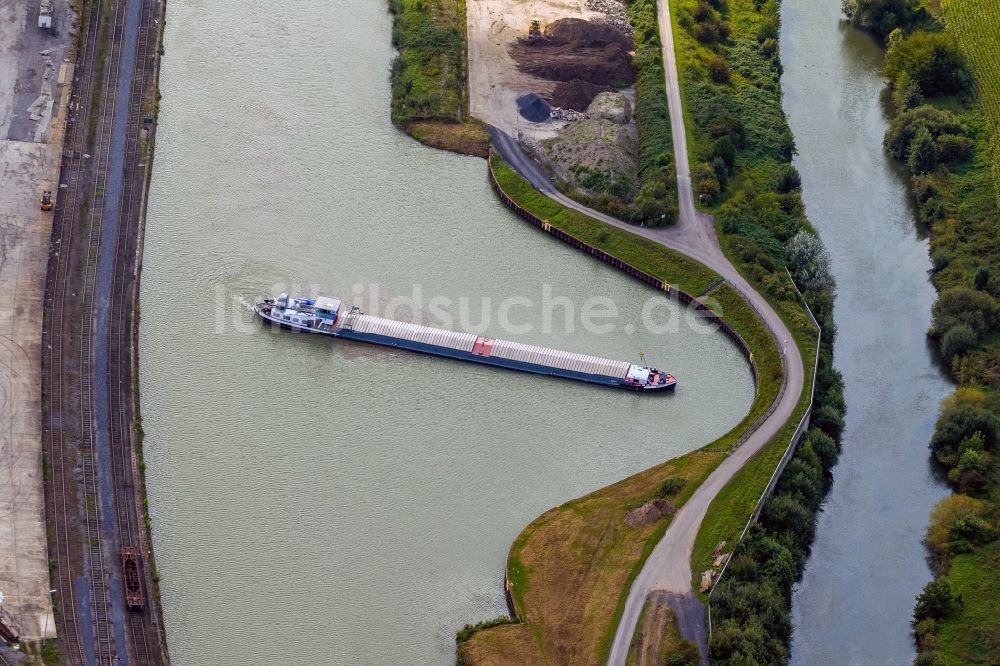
column 923, row 155
column 725, row 149
column 881, row 16
column 961, row 305
column 809, row 261
column 788, row 179
column 953, row 148
column 982, row 278
column 824, row 446
column 932, row 60
column 944, row 514
column 829, row 420
column 958, row 423
column 905, row 126
column 936, row 601
column 784, row 513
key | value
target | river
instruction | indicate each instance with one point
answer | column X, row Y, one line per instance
column 854, row 603
column 319, row 502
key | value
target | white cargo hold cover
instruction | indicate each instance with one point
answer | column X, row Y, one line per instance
column 636, row 372
column 439, row 337
column 563, row 360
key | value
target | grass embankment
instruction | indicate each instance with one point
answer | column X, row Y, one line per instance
column 740, row 148
column 673, row 267
column 569, row 562
column 429, row 83
column 946, row 86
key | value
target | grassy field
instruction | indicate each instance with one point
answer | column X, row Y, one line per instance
column 429, row 79
column 569, row 562
column 975, row 639
column 666, row 264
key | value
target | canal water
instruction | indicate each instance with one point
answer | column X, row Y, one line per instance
column 319, row 502
column 854, row 603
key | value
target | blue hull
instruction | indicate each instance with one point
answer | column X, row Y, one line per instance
column 445, row 352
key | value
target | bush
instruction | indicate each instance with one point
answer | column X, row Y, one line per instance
column 958, row 341
column 935, row 602
column 686, row 654
column 671, row 486
column 718, row 69
column 466, row 632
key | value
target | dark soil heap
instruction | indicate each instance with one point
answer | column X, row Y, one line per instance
column 574, row 50
column 576, row 94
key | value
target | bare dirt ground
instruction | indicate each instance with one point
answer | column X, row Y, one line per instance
column 32, row 110
column 494, row 80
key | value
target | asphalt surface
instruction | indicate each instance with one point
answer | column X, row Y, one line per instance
column 668, row 567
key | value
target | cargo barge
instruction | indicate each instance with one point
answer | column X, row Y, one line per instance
column 325, row 316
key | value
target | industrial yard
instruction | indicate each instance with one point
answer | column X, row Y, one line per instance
column 33, row 97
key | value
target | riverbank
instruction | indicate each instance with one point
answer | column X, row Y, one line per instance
column 946, row 130
column 430, row 97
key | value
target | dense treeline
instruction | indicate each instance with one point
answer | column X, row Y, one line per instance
column 741, row 153
column 942, row 135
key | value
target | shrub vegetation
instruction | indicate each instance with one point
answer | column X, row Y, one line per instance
column 429, row 87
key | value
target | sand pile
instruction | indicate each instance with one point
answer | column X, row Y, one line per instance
column 577, row 50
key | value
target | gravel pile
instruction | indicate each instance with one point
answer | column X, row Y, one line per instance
column 566, row 114
column 617, row 15
column 533, row 108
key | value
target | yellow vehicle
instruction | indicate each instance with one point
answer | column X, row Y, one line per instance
column 46, row 201
column 535, row 28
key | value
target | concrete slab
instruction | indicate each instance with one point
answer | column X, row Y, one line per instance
column 30, row 149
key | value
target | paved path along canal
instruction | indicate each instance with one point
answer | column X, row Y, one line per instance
column 867, row 565
column 348, row 504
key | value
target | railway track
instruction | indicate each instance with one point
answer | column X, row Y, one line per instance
column 90, row 437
